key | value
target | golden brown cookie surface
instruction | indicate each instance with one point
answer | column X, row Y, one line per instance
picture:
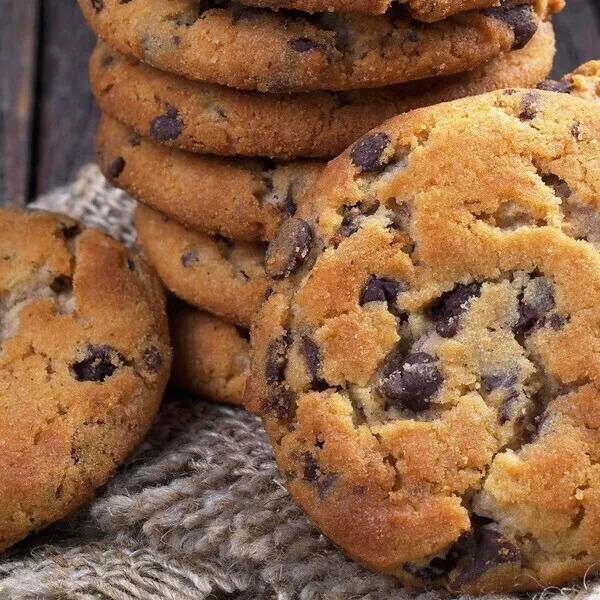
column 428, row 368
column 212, row 273
column 274, row 52
column 243, row 199
column 213, row 119
column 211, row 356
column 85, row 359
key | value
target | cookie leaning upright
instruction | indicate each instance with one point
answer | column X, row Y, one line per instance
column 427, row 367
column 85, row 359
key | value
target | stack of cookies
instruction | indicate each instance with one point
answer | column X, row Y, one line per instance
column 219, row 115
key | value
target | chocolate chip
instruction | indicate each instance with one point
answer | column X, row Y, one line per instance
column 288, row 249
column 97, row 5
column 279, row 400
column 130, row 264
column 167, row 127
column 367, row 153
column 314, row 474
column 563, row 86
column 557, row 321
column 447, row 310
column 521, row 19
column 115, row 168
column 310, row 352
column 560, row 187
column 442, row 565
column 499, row 380
column 576, row 130
column 70, row 231
column 98, row 365
column 530, row 106
column 414, row 383
column 189, row 258
column 536, row 300
column 382, row 289
column 153, row 359
column 304, row 45
column 507, row 411
column 288, row 208
column 492, row 549
column 276, row 360
column 107, row 60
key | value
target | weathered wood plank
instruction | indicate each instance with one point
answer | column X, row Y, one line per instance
column 578, row 35
column 68, row 116
column 18, row 56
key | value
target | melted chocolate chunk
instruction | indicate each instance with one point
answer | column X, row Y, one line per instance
column 276, row 360
column 530, row 106
column 288, row 249
column 115, row 168
column 167, row 127
column 382, row 289
column 98, row 364
column 367, row 153
column 189, row 258
column 560, row 187
column 492, row 549
column 521, row 19
column 413, row 383
column 499, row 380
column 153, row 359
column 447, row 310
column 304, row 45
column 535, row 302
column 564, row 86
column 314, row 474
column 97, row 5
column 310, row 352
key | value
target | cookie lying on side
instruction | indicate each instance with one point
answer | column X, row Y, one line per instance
column 428, row 366
column 280, row 52
column 212, row 356
column 213, row 119
column 85, row 359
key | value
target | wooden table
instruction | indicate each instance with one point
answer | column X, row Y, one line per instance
column 48, row 117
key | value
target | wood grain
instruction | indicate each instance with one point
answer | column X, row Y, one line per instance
column 67, row 114
column 578, row 35
column 18, row 67
column 47, row 115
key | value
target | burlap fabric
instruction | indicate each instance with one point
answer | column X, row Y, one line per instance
column 198, row 511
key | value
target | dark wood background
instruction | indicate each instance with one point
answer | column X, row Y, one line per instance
column 47, row 115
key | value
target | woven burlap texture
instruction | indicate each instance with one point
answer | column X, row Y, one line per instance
column 198, row 511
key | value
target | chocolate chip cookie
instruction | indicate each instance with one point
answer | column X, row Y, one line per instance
column 212, row 357
column 212, row 273
column 583, row 82
column 422, row 10
column 428, row 366
column 84, row 362
column 257, row 49
column 244, row 199
column 213, row 119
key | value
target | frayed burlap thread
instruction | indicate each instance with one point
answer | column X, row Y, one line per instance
column 197, row 512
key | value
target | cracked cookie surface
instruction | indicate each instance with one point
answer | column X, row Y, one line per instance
column 212, row 273
column 212, row 356
column 213, row 119
column 427, row 366
column 85, row 356
column 286, row 51
column 243, row 199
